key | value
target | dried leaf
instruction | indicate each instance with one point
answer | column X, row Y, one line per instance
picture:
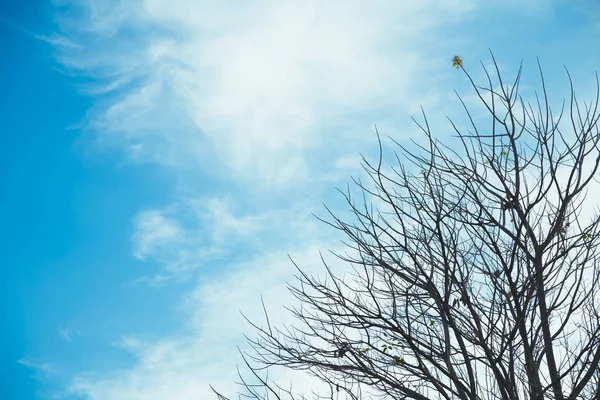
column 457, row 62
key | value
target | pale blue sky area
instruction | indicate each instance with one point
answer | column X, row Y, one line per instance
column 162, row 157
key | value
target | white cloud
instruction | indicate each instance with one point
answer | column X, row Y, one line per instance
column 65, row 334
column 45, row 367
column 42, row 370
column 261, row 86
column 192, row 232
column 152, row 230
column 68, row 333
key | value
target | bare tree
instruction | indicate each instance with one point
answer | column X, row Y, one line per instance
column 473, row 279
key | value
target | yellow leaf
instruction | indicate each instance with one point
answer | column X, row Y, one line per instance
column 457, row 62
column 509, row 294
column 419, row 208
column 432, row 323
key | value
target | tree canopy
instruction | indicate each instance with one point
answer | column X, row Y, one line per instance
column 475, row 273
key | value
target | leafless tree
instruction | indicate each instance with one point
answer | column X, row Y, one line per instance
column 475, row 275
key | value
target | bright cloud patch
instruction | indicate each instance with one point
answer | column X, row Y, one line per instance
column 154, row 230
column 258, row 85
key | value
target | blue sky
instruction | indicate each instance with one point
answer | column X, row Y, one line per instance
column 162, row 157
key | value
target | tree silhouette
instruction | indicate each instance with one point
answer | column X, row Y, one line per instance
column 476, row 278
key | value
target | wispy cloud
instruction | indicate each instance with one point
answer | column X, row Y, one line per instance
column 65, row 334
column 68, row 333
column 152, row 230
column 260, row 85
column 41, row 370
column 192, row 232
column 45, row 367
